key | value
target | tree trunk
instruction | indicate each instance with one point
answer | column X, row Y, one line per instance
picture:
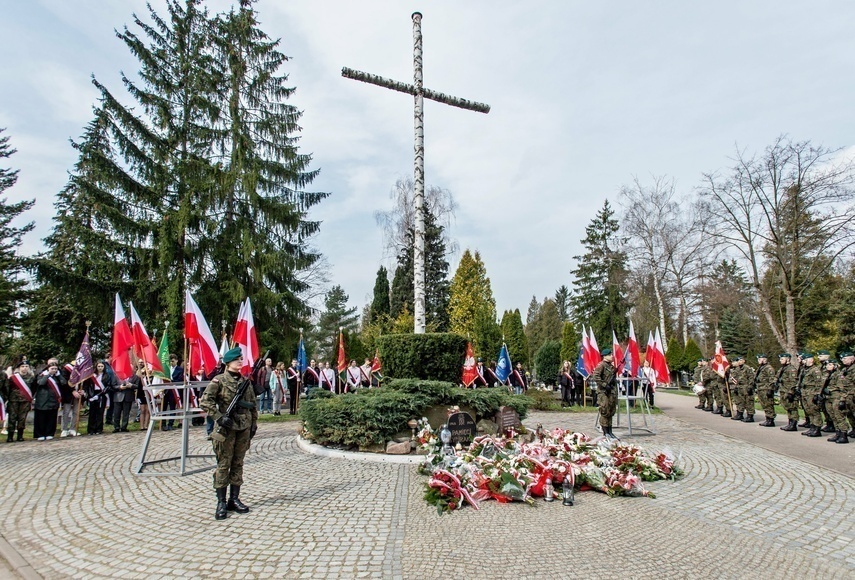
column 791, row 323
column 660, row 304
column 770, row 320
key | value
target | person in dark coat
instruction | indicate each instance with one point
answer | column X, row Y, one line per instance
column 46, row 402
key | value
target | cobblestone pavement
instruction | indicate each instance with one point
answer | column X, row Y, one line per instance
column 73, row 508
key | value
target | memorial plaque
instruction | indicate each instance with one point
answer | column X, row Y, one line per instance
column 507, row 417
column 462, row 427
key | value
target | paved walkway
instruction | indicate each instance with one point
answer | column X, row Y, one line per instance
column 73, row 509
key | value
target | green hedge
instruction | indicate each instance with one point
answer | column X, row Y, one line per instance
column 376, row 415
column 432, row 356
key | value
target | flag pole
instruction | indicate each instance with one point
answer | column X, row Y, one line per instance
column 76, row 388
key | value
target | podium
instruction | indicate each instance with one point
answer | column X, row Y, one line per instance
column 185, row 414
column 628, row 398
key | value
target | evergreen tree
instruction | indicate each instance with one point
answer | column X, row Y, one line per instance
column 843, row 311
column 512, row 329
column 436, row 278
column 336, row 315
column 545, row 326
column 691, row 355
column 379, row 310
column 12, row 287
column 470, row 295
column 562, row 301
column 547, row 361
column 486, row 336
column 533, row 309
column 599, row 292
column 569, row 343
column 675, row 355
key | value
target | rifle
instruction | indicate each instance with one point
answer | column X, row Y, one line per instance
column 245, row 382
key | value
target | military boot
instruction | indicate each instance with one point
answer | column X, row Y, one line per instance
column 829, row 428
column 851, row 433
column 843, row 437
column 222, row 510
column 738, row 417
column 805, row 423
column 701, row 406
column 748, row 419
column 20, row 434
column 814, row 432
column 790, row 426
column 717, row 411
column 235, row 504
column 835, row 438
column 10, row 436
column 707, row 409
column 769, row 422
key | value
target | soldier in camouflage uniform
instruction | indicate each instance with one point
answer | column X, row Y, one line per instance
column 829, row 367
column 719, row 390
column 231, row 441
column 604, row 377
column 704, row 398
column 743, row 392
column 710, row 382
column 764, row 385
column 841, row 391
column 787, row 384
column 813, row 380
column 802, row 368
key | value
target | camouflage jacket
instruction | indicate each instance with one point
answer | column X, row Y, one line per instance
column 787, row 379
column 219, row 394
column 813, row 379
column 843, row 380
column 604, row 374
column 764, row 378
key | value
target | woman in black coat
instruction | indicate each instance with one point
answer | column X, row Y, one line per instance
column 46, row 402
column 98, row 388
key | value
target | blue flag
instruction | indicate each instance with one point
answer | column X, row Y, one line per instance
column 301, row 356
column 580, row 364
column 503, row 364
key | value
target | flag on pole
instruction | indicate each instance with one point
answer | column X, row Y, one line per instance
column 580, row 363
column 163, row 357
column 587, row 357
column 246, row 338
column 240, row 325
column 342, row 359
column 203, row 347
column 719, row 363
column 143, row 347
column 503, row 364
column 224, row 346
column 595, row 350
column 301, row 355
column 633, row 355
column 83, row 367
column 663, row 375
column 123, row 342
column 470, row 373
column 617, row 353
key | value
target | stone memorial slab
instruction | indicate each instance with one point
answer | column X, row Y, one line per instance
column 462, row 427
column 507, row 417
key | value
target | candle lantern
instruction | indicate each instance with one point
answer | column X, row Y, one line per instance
column 568, row 493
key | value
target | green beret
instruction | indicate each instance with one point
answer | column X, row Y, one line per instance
column 606, row 352
column 785, row 355
column 806, row 354
column 232, row 355
column 822, row 352
column 739, row 357
column 702, row 360
column 831, row 361
column 846, row 353
column 761, row 355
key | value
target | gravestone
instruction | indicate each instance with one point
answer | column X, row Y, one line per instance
column 462, row 427
column 507, row 417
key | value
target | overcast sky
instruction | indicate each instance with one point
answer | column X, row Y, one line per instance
column 584, row 96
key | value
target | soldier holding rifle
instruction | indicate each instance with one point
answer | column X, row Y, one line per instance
column 232, row 405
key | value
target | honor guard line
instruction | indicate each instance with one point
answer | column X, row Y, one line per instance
column 419, row 93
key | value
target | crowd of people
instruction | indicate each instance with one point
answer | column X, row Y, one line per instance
column 821, row 386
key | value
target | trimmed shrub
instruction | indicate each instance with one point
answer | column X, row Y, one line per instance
column 548, row 362
column 376, row 415
column 432, row 356
column 542, row 400
column 318, row 393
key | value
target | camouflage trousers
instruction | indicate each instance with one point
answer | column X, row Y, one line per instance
column 713, row 395
column 745, row 403
column 607, row 406
column 724, row 396
column 705, row 399
column 230, row 454
column 839, row 415
column 792, row 406
column 767, row 401
column 17, row 411
column 813, row 407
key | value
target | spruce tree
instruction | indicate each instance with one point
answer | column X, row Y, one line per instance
column 599, row 293
column 547, row 361
column 486, row 336
column 545, row 326
column 336, row 315
column 569, row 343
column 691, row 354
column 675, row 355
column 562, row 301
column 12, row 285
column 470, row 295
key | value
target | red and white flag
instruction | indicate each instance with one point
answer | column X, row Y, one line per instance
column 719, row 363
column 586, row 351
column 197, row 331
column 633, row 355
column 663, row 375
column 595, row 349
column 123, row 342
column 617, row 353
column 470, row 373
column 143, row 346
column 246, row 338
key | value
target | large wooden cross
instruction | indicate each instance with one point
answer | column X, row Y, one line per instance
column 420, row 93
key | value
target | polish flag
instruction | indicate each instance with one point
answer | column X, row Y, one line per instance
column 586, row 351
column 143, row 347
column 123, row 342
column 246, row 338
column 663, row 375
column 650, row 353
column 720, row 362
column 197, row 331
column 633, row 356
column 595, row 349
column 617, row 353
